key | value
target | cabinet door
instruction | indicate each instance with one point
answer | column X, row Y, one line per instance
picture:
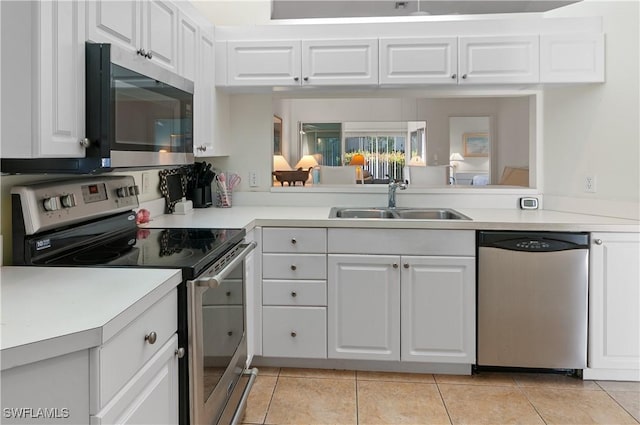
column 498, row 60
column 431, row 60
column 60, row 104
column 116, row 22
column 160, row 32
column 614, row 301
column 438, row 309
column 151, row 396
column 363, row 307
column 188, row 47
column 204, row 98
column 263, row 63
column 340, row 62
column 572, row 58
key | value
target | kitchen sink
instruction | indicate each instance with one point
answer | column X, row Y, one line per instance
column 361, row 213
column 398, row 213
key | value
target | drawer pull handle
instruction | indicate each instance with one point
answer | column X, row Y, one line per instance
column 598, row 241
column 228, row 293
column 230, row 333
column 151, row 337
column 294, row 294
column 293, row 334
column 294, row 241
column 179, row 353
column 293, row 267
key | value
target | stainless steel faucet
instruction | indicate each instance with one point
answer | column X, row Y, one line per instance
column 393, row 186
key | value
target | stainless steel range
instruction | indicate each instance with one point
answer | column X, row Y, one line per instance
column 91, row 222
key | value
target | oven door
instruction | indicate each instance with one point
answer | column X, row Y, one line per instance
column 217, row 339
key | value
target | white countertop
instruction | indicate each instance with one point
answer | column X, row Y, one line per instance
column 51, row 311
column 481, row 219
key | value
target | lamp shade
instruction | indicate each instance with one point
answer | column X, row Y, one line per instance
column 456, row 157
column 307, row 161
column 280, row 163
column 357, row 159
column 417, row 161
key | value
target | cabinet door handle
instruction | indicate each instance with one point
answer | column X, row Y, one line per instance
column 228, row 293
column 296, row 79
column 453, row 76
column 464, row 76
column 230, row 333
column 151, row 337
column 294, row 294
column 202, row 148
column 179, row 353
column 293, row 334
column 85, row 143
column 293, row 241
column 306, row 78
column 395, row 265
column 598, row 241
column 142, row 52
column 148, row 55
column 406, row 265
column 293, row 267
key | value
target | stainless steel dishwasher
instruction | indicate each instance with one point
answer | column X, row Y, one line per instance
column 532, row 299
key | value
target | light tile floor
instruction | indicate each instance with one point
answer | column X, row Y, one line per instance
column 284, row 396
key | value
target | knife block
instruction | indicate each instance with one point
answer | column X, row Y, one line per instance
column 201, row 197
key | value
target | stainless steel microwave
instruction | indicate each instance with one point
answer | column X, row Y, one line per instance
column 138, row 115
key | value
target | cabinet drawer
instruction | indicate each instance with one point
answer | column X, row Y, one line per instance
column 294, row 292
column 123, row 355
column 294, row 240
column 294, row 332
column 288, row 266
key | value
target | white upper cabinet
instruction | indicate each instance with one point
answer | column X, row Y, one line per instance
column 572, row 58
column 307, row 63
column 498, row 59
column 430, row 60
column 188, row 47
column 43, row 59
column 204, row 98
column 149, row 28
column 263, row 63
column 340, row 62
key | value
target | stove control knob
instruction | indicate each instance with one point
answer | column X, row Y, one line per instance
column 122, row 192
column 51, row 204
column 133, row 190
column 68, row 201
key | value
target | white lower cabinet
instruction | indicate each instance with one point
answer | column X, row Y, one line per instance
column 298, row 332
column 438, row 309
column 614, row 307
column 294, row 292
column 364, row 307
column 151, row 396
column 408, row 308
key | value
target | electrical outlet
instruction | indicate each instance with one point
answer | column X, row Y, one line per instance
column 590, row 184
column 253, row 179
column 146, row 182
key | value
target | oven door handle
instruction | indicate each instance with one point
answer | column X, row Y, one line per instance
column 214, row 281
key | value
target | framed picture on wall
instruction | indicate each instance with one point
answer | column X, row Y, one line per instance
column 475, row 144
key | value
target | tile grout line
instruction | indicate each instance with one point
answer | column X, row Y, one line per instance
column 273, row 393
column 618, row 403
column 521, row 389
column 357, row 407
column 444, row 403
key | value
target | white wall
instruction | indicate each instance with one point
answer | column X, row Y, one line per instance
column 457, row 127
column 594, row 129
column 235, row 12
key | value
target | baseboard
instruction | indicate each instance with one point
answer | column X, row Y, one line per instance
column 611, row 374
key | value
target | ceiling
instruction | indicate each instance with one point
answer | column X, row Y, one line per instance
column 301, row 9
